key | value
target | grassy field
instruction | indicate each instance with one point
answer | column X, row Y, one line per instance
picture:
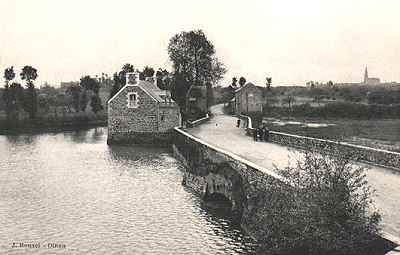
column 382, row 133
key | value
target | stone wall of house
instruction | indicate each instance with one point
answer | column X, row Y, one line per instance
column 151, row 122
column 124, row 122
column 169, row 117
column 140, row 119
column 146, row 138
column 246, row 103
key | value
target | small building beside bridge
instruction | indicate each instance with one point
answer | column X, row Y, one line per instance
column 248, row 99
column 141, row 113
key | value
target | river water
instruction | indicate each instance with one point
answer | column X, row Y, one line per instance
column 72, row 194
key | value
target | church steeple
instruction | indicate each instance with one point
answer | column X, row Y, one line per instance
column 366, row 75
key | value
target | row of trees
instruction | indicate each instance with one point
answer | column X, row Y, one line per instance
column 17, row 98
column 15, row 95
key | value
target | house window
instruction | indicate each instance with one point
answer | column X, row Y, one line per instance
column 132, row 100
column 162, row 118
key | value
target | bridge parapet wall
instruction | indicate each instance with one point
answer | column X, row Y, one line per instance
column 377, row 157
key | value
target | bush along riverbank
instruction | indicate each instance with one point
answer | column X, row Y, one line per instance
column 324, row 207
column 65, row 122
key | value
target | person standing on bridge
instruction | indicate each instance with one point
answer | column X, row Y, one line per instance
column 238, row 123
column 265, row 134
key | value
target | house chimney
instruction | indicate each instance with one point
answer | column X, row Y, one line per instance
column 132, row 78
column 150, row 79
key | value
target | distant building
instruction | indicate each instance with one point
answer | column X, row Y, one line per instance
column 370, row 81
column 141, row 113
column 248, row 98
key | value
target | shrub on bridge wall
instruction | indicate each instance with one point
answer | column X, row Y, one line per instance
column 326, row 209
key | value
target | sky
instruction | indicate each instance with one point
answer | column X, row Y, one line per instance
column 291, row 41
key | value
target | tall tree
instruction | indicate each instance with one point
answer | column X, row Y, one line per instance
column 242, row 81
column 16, row 96
column 83, row 100
column 179, row 90
column 116, row 85
column 30, row 98
column 234, row 81
column 74, row 92
column 128, row 68
column 95, row 103
column 194, row 62
column 268, row 81
column 147, row 72
column 88, row 83
column 9, row 75
column 163, row 79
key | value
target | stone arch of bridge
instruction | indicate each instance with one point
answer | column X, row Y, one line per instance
column 224, row 185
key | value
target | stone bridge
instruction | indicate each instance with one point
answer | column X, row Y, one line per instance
column 222, row 163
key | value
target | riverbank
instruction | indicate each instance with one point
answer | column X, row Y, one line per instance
column 51, row 125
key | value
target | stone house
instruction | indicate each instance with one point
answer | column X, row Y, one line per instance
column 248, row 99
column 141, row 113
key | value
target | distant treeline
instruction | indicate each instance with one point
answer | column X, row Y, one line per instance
column 337, row 110
column 356, row 93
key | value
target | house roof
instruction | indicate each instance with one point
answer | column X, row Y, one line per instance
column 150, row 88
column 246, row 85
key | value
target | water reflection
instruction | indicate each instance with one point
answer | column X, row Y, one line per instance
column 20, row 139
column 94, row 135
column 98, row 134
column 134, row 152
column 222, row 218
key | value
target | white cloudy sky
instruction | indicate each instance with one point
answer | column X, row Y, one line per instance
column 291, row 40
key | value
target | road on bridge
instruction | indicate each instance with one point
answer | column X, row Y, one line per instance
column 221, row 131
